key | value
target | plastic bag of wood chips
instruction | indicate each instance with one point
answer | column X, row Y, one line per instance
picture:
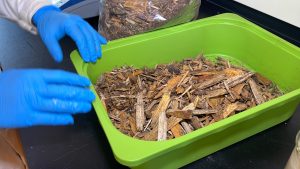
column 123, row 18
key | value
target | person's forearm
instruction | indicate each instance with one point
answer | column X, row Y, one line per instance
column 21, row 11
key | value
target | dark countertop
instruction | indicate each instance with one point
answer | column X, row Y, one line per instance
column 84, row 145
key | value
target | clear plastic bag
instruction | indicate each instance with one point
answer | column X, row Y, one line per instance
column 123, row 18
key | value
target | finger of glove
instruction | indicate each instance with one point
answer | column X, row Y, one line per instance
column 91, row 43
column 51, row 119
column 54, row 48
column 63, row 106
column 102, row 39
column 79, row 37
column 97, row 39
column 70, row 93
column 64, row 77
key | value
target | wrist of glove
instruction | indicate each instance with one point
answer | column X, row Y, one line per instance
column 53, row 25
column 42, row 97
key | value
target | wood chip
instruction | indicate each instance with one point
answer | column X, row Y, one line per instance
column 211, row 82
column 133, row 126
column 170, row 86
column 179, row 90
column 162, row 127
column 238, row 79
column 191, row 106
column 231, row 72
column 196, row 123
column 216, row 93
column 255, row 91
column 182, row 78
column 135, row 73
column 204, row 111
column 207, row 73
column 184, row 114
column 171, row 122
column 102, row 98
column 241, row 107
column 189, row 88
column 229, row 109
column 237, row 90
column 261, row 79
column 186, row 127
column 177, row 131
column 162, row 107
column 215, row 102
column 140, row 115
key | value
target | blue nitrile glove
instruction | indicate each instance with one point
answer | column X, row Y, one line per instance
column 53, row 25
column 42, row 97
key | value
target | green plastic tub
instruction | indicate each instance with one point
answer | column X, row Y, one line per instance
column 226, row 35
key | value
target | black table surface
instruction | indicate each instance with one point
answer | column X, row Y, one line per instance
column 84, row 145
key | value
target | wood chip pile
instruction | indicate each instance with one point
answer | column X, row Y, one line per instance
column 172, row 100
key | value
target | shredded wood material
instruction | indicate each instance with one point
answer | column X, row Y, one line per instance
column 174, row 99
column 122, row 18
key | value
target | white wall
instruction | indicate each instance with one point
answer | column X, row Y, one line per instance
column 286, row 10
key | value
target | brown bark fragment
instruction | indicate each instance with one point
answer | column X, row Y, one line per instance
column 238, row 79
column 184, row 114
column 215, row 102
column 229, row 109
column 231, row 72
column 237, row 90
column 162, row 107
column 211, row 82
column 261, row 79
column 216, row 93
column 170, row 86
column 177, row 131
column 196, row 123
column 256, row 92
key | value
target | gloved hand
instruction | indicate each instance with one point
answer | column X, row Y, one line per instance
column 53, row 25
column 42, row 97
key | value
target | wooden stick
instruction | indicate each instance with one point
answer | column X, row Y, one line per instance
column 162, row 127
column 183, row 77
column 204, row 111
column 162, row 107
column 186, row 127
column 171, row 122
column 238, row 79
column 170, row 86
column 255, row 91
column 147, row 125
column 189, row 88
column 140, row 115
column 102, row 98
column 139, row 82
